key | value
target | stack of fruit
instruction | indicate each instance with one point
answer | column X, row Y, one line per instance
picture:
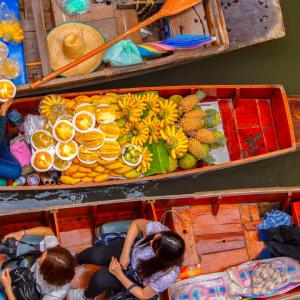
column 128, row 136
column 199, row 126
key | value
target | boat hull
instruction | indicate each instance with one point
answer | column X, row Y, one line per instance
column 256, row 119
column 79, row 222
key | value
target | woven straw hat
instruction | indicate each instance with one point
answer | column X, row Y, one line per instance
column 70, row 41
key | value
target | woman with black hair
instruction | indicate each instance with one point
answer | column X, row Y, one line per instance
column 153, row 262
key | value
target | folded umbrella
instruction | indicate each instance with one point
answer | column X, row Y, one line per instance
column 177, row 42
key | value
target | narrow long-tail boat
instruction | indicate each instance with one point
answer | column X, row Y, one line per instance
column 219, row 226
column 257, row 124
column 39, row 17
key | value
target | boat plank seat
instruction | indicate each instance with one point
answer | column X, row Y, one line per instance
column 250, row 219
column 218, row 241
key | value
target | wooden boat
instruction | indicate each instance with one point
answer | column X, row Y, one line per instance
column 218, row 226
column 39, row 17
column 256, row 119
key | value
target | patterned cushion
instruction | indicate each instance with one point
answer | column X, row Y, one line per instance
column 266, row 278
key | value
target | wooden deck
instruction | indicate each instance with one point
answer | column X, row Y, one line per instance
column 221, row 241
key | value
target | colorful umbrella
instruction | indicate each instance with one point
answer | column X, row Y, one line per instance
column 177, row 42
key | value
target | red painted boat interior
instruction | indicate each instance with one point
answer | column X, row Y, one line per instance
column 256, row 119
column 219, row 229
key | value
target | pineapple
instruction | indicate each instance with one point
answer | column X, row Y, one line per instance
column 191, row 124
column 188, row 103
column 206, row 136
column 200, row 151
column 212, row 118
column 196, row 113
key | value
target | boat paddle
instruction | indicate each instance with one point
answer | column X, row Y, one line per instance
column 170, row 8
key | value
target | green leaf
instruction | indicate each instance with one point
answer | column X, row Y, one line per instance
column 160, row 161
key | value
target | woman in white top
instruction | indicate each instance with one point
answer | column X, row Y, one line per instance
column 53, row 271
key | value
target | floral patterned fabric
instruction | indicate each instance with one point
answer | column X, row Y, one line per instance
column 241, row 277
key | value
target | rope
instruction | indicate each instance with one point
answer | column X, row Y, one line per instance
column 171, row 211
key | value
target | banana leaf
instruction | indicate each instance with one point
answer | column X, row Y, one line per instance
column 160, row 161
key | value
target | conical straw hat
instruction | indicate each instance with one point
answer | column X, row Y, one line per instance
column 70, row 41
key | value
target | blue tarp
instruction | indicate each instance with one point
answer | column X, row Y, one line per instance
column 17, row 51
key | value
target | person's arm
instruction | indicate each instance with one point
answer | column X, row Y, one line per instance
column 3, row 111
column 115, row 268
column 6, row 282
column 37, row 231
column 133, row 231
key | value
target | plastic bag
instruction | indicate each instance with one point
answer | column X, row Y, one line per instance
column 20, row 150
column 74, row 7
column 11, row 29
column 32, row 124
column 124, row 53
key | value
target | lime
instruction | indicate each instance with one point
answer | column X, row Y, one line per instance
column 187, row 162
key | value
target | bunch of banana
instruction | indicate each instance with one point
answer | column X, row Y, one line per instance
column 152, row 106
column 176, row 141
column 147, row 157
column 131, row 107
column 154, row 129
column 168, row 114
column 11, row 31
column 139, row 132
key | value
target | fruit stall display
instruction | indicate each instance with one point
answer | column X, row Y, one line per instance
column 101, row 137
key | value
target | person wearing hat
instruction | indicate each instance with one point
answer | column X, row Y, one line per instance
column 70, row 41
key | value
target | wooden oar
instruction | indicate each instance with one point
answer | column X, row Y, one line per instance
column 170, row 8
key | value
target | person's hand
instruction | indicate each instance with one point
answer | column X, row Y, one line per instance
column 124, row 260
column 5, row 278
column 115, row 267
column 5, row 107
column 17, row 235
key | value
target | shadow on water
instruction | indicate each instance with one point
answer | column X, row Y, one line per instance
column 279, row 171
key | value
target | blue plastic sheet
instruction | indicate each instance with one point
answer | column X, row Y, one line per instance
column 16, row 51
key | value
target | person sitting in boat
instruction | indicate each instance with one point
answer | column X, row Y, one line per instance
column 143, row 269
column 53, row 270
column 9, row 166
